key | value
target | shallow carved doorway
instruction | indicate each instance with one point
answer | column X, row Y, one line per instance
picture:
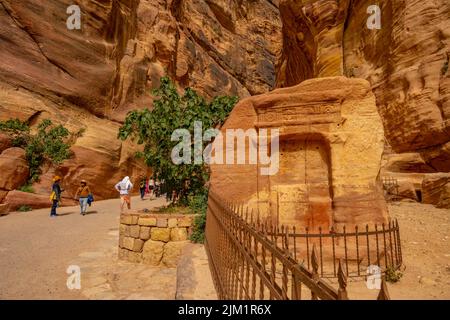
column 300, row 193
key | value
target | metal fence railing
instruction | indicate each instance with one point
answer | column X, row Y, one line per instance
column 358, row 249
column 391, row 188
column 250, row 259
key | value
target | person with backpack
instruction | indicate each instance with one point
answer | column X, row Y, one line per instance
column 143, row 186
column 55, row 196
column 124, row 187
column 84, row 193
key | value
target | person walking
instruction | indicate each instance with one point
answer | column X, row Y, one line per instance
column 151, row 187
column 158, row 188
column 142, row 186
column 83, row 193
column 55, row 196
column 124, row 187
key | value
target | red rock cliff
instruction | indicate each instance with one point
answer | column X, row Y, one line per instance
column 92, row 77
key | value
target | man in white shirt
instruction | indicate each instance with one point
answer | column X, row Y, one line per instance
column 124, row 187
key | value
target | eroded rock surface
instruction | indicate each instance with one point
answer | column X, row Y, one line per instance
column 14, row 169
column 406, row 62
column 330, row 147
column 90, row 78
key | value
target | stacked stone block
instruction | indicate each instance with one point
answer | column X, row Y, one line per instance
column 154, row 239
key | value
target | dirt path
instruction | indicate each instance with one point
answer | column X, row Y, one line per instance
column 425, row 238
column 425, row 235
column 35, row 250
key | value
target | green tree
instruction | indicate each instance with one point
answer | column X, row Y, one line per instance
column 50, row 142
column 154, row 128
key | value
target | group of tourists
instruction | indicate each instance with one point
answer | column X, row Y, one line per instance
column 85, row 196
column 149, row 186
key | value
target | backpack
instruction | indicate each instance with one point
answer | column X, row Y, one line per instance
column 90, row 199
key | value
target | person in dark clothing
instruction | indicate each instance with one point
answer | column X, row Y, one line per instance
column 56, row 195
column 142, row 186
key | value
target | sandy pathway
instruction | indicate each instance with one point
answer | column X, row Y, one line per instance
column 425, row 238
column 35, row 250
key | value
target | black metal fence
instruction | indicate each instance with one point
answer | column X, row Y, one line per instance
column 358, row 249
column 250, row 259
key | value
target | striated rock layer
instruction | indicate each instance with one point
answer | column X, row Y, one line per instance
column 90, row 78
column 406, row 62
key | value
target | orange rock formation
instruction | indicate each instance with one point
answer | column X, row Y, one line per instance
column 90, row 78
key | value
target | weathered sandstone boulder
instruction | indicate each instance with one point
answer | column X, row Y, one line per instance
column 178, row 234
column 330, row 147
column 407, row 190
column 5, row 142
column 14, row 169
column 172, row 253
column 3, row 194
column 435, row 190
column 98, row 156
column 152, row 252
column 4, row 209
column 407, row 162
column 15, row 199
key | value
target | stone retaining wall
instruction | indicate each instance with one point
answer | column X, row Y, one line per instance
column 154, row 238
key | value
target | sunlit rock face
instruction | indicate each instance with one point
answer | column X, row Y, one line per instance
column 330, row 146
column 313, row 33
column 406, row 62
column 90, row 78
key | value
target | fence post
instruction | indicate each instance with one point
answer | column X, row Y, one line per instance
column 383, row 294
column 342, row 279
column 315, row 269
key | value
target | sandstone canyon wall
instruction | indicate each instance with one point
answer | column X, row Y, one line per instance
column 90, row 78
column 405, row 61
column 330, row 145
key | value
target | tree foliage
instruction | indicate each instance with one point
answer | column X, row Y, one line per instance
column 49, row 142
column 154, row 128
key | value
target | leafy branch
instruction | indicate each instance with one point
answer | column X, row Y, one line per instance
column 50, row 142
column 154, row 128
